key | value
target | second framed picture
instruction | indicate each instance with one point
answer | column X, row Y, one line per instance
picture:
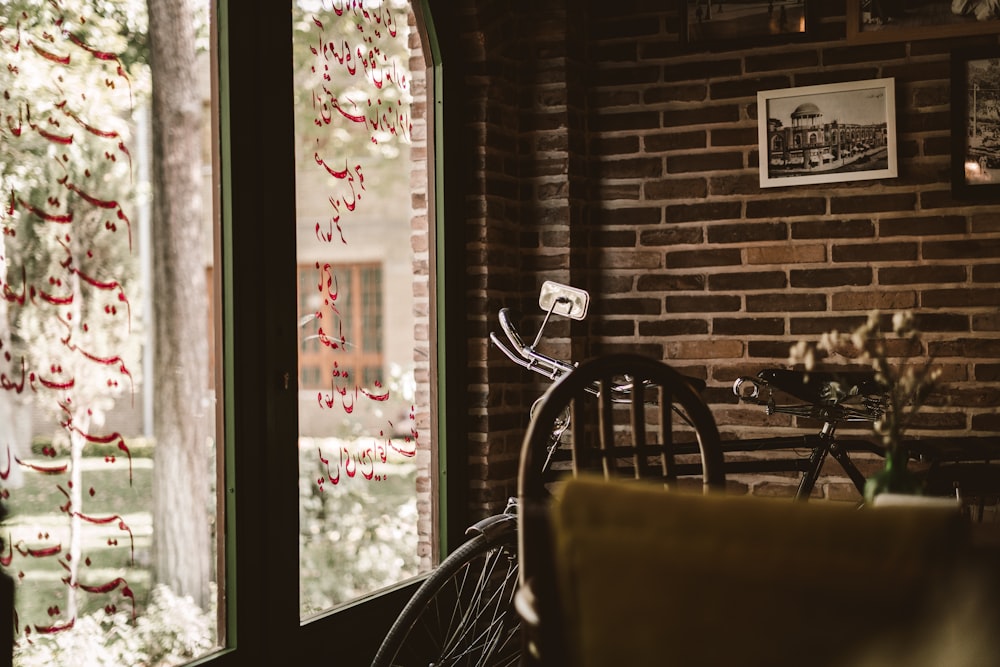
column 747, row 23
column 901, row 20
column 828, row 133
column 975, row 125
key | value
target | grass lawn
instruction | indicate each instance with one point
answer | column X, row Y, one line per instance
column 38, row 538
column 355, row 537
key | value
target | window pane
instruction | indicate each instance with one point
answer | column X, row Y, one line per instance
column 107, row 410
column 358, row 403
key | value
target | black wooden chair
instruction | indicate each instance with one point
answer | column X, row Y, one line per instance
column 615, row 573
column 629, row 417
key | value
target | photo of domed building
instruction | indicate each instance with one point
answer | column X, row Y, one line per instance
column 844, row 135
column 811, row 144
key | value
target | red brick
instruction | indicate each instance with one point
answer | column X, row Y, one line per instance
column 835, row 228
column 961, row 298
column 866, row 301
column 705, row 211
column 702, row 304
column 720, row 113
column 784, row 302
column 675, row 188
column 748, row 233
column 671, row 235
column 748, row 326
column 692, row 258
column 830, row 277
column 653, row 282
column 649, row 169
column 927, row 275
column 671, row 327
column 787, row 254
column 657, row 142
column 923, row 226
column 964, row 249
column 780, row 207
column 870, row 252
column 873, row 203
column 745, row 281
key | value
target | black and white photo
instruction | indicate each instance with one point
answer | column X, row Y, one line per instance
column 745, row 20
column 827, row 133
column 901, row 20
column 976, row 123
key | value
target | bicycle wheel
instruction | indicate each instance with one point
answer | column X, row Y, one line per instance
column 463, row 614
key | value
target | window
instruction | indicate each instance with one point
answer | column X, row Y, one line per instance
column 261, row 576
column 358, row 433
column 107, row 405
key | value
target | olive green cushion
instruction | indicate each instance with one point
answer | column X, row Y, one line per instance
column 649, row 577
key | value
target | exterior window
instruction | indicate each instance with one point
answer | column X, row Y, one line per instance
column 108, row 440
column 115, row 478
column 358, row 277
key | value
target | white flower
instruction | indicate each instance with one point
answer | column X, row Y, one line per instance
column 907, row 385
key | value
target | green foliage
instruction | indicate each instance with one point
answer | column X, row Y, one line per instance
column 355, row 537
column 336, row 59
column 171, row 630
column 125, row 19
column 67, row 152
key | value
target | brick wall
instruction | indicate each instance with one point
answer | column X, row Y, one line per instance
column 602, row 151
column 420, row 242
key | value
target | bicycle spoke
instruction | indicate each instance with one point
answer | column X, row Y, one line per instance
column 482, row 616
column 493, row 634
column 466, row 616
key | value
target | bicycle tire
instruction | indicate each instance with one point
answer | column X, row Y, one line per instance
column 463, row 613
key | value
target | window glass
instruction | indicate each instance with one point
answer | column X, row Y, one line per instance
column 107, row 410
column 359, row 345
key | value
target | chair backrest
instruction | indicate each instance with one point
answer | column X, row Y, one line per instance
column 648, row 578
column 629, row 417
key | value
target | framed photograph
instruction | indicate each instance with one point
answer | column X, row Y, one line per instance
column 744, row 22
column 975, row 125
column 826, row 134
column 901, row 20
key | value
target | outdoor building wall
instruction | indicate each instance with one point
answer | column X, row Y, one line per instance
column 420, row 242
column 601, row 151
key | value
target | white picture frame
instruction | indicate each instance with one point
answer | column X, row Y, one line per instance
column 827, row 133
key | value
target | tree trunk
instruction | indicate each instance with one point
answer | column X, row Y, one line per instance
column 183, row 469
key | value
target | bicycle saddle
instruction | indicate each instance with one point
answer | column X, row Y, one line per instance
column 823, row 388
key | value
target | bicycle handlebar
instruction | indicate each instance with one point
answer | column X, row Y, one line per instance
column 526, row 355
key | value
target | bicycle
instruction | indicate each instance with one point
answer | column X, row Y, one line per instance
column 463, row 614
column 964, row 468
column 832, row 398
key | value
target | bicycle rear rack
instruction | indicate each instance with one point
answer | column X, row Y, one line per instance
column 831, row 397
